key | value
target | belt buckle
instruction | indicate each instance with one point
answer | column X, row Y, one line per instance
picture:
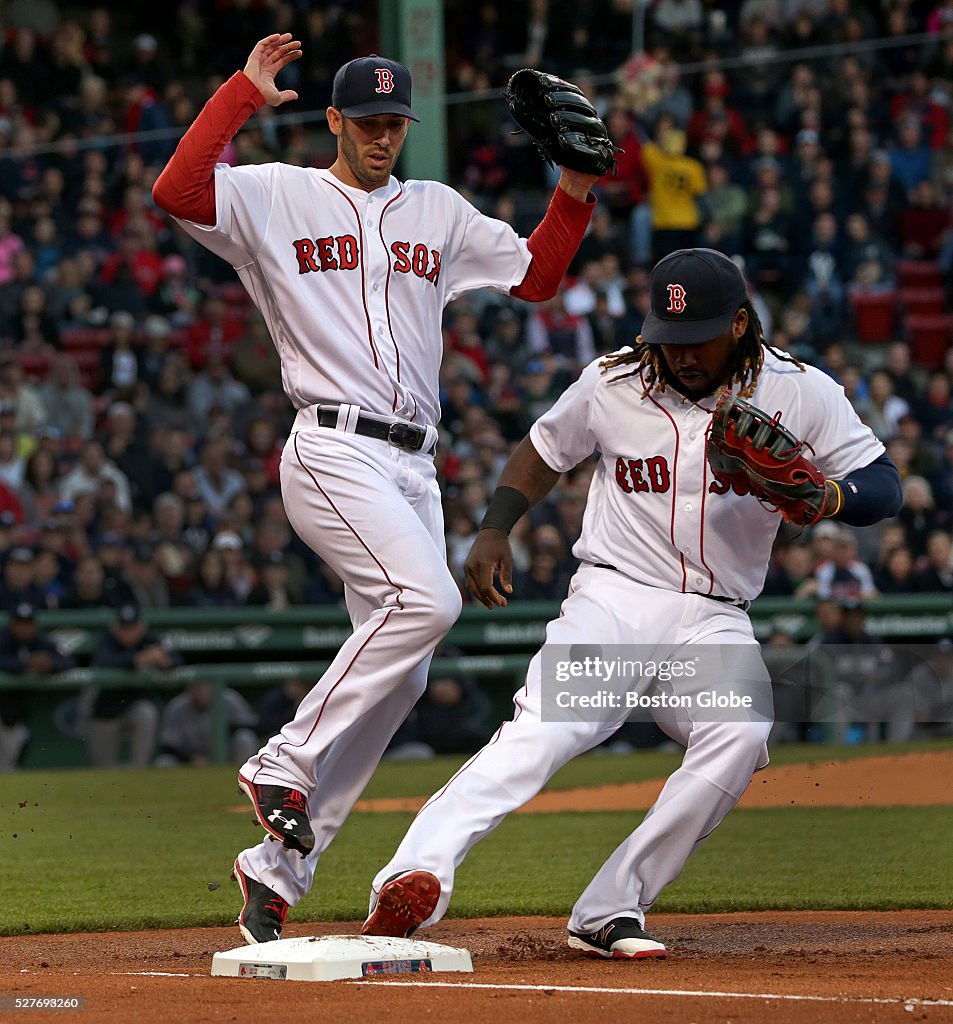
column 406, row 436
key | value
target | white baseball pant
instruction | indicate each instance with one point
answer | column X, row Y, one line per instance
column 603, row 608
column 373, row 513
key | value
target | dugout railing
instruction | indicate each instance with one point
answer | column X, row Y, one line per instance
column 253, row 648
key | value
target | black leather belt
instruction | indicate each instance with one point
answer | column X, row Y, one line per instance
column 735, row 602
column 407, row 436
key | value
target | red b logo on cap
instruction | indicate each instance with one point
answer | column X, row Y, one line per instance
column 676, row 299
column 385, row 80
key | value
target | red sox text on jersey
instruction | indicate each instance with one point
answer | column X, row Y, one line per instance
column 342, row 253
column 640, row 476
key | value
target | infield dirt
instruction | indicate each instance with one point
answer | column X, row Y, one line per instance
column 830, row 967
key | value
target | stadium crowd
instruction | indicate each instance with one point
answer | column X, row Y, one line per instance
column 141, row 411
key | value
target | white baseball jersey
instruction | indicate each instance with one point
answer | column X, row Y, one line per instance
column 654, row 510
column 352, row 284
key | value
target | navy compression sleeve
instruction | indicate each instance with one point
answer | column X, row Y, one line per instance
column 871, row 493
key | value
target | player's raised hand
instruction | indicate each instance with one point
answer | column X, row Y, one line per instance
column 490, row 555
column 270, row 55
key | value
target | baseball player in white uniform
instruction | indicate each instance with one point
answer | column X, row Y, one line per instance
column 669, row 557
column 351, row 270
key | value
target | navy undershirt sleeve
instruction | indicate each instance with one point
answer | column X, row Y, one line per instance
column 871, row 493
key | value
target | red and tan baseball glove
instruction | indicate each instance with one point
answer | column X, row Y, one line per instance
column 750, row 451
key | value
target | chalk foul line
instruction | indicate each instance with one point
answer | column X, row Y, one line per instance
column 688, row 993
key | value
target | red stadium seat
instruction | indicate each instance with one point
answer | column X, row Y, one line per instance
column 84, row 338
column 874, row 315
column 234, row 295
column 930, row 336
column 919, row 274
column 917, row 301
column 35, row 364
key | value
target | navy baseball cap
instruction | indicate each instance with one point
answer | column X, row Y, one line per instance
column 695, row 295
column 372, row 85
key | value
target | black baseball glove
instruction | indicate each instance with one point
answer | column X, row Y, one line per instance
column 561, row 121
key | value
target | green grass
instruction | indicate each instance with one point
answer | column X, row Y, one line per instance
column 135, row 849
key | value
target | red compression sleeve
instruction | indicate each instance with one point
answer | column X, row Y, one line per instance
column 553, row 245
column 186, row 186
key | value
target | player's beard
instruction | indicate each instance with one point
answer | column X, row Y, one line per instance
column 369, row 174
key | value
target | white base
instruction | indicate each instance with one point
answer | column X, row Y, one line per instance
column 329, row 957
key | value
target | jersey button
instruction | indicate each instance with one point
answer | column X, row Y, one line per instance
column 376, row 288
column 689, row 506
column 699, row 580
column 691, row 437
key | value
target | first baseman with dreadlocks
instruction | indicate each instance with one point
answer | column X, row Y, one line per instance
column 669, row 556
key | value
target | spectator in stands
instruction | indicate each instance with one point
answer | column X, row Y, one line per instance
column 125, row 712
column 49, row 572
column 119, row 371
column 177, row 297
column 144, row 577
column 124, row 445
column 919, row 514
column 882, row 409
column 936, row 577
column 24, row 650
column 93, row 471
column 898, row 364
column 896, row 574
column 211, row 589
column 450, row 718
column 843, row 576
column 910, row 158
column 791, row 573
column 152, row 356
column 91, row 589
column 12, row 465
column 544, row 580
column 626, row 193
column 565, row 337
column 213, row 332
column 68, row 405
column 167, row 406
column 17, row 586
column 272, row 589
column 214, row 387
column 185, row 729
column 935, row 408
column 676, row 184
column 215, row 480
column 21, row 395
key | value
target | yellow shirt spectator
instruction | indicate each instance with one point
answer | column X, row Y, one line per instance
column 674, row 182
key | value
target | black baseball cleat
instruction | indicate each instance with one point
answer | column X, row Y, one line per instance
column 283, row 813
column 621, row 939
column 404, row 903
column 264, row 911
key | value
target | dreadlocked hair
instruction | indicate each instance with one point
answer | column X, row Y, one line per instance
column 744, row 369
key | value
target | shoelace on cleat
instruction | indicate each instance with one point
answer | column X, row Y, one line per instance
column 278, row 907
column 293, row 800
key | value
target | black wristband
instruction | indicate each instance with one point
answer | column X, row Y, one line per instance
column 505, row 508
